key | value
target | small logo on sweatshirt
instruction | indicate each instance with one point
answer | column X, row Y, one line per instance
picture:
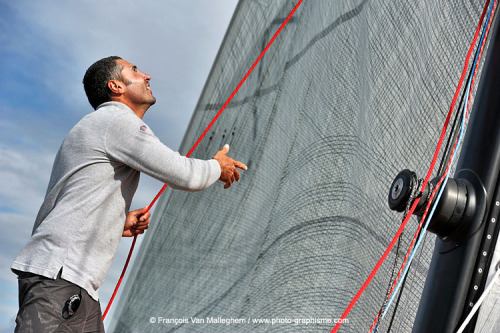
column 143, row 128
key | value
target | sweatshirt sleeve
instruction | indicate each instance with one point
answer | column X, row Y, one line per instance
column 130, row 141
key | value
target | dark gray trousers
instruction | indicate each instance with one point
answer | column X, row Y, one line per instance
column 43, row 306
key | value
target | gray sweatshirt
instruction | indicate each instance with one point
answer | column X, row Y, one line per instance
column 93, row 180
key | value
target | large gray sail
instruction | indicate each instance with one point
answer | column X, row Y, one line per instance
column 349, row 94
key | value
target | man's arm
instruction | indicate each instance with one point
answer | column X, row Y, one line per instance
column 137, row 221
column 131, row 142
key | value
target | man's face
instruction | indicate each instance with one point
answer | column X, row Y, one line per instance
column 137, row 88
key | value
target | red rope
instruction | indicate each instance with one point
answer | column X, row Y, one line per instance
column 447, row 167
column 121, row 278
column 198, row 142
column 431, row 168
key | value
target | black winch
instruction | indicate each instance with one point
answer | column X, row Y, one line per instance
column 454, row 211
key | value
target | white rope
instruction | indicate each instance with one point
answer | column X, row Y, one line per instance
column 480, row 300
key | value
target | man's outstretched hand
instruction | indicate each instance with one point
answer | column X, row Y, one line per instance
column 136, row 223
column 228, row 166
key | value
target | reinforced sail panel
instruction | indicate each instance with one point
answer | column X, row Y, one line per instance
column 350, row 93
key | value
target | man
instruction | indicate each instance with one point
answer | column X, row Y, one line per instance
column 86, row 208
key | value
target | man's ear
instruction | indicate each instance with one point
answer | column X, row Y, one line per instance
column 115, row 86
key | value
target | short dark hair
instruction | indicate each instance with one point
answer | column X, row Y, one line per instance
column 95, row 81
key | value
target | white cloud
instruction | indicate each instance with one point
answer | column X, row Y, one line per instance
column 26, row 174
column 175, row 41
column 49, row 45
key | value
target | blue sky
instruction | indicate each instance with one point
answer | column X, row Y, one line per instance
column 46, row 46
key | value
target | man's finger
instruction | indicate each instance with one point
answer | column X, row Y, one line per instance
column 225, row 149
column 141, row 227
column 240, row 165
column 236, row 175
